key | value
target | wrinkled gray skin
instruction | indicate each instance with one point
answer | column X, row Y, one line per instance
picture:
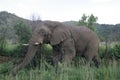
column 66, row 40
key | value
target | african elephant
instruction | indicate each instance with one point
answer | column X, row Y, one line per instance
column 66, row 40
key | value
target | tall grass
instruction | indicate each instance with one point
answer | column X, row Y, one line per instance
column 9, row 49
column 108, row 70
column 68, row 72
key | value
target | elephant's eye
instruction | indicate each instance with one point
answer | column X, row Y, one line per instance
column 42, row 31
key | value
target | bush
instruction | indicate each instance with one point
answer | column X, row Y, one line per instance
column 44, row 53
column 101, row 51
column 8, row 49
column 2, row 48
column 23, row 32
column 116, row 51
column 20, row 51
column 113, row 52
column 47, row 50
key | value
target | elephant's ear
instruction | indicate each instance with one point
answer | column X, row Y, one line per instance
column 59, row 35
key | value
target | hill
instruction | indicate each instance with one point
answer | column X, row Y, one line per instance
column 9, row 20
column 73, row 23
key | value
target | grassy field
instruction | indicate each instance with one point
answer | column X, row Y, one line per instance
column 109, row 71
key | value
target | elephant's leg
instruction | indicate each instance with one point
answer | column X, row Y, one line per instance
column 96, row 61
column 88, row 54
column 91, row 55
column 56, row 57
column 68, row 50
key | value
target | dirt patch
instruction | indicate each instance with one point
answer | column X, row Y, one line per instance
column 4, row 59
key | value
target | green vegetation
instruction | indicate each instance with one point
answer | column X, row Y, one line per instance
column 70, row 72
column 23, row 32
column 108, row 70
column 88, row 21
column 9, row 49
column 112, row 53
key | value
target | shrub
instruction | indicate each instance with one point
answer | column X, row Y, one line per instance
column 102, row 51
column 112, row 53
column 20, row 51
column 8, row 49
column 47, row 50
column 116, row 51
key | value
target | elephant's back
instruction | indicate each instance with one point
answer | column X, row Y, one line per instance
column 81, row 32
column 83, row 36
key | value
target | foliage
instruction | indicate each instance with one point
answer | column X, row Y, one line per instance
column 10, row 49
column 3, row 38
column 116, row 51
column 101, row 51
column 20, row 51
column 67, row 72
column 108, row 32
column 6, row 67
column 23, row 32
column 47, row 50
column 88, row 21
column 113, row 51
column 105, row 33
column 83, row 20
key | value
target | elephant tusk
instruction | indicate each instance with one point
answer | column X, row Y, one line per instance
column 25, row 44
column 36, row 43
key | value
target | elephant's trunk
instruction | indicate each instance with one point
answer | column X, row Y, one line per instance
column 29, row 56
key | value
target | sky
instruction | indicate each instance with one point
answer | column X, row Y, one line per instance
column 107, row 11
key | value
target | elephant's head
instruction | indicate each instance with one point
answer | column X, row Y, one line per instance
column 49, row 32
column 41, row 34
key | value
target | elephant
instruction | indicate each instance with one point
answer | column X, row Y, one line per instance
column 67, row 41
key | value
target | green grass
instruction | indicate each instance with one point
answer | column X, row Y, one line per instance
column 9, row 49
column 109, row 70
column 69, row 72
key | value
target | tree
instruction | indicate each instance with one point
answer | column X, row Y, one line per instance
column 23, row 32
column 83, row 20
column 88, row 21
column 91, row 21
